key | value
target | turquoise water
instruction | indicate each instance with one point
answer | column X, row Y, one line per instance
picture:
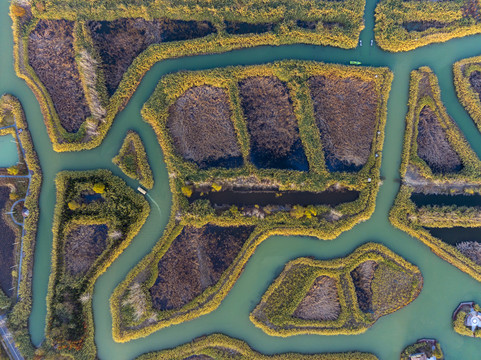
column 428, row 316
column 8, row 151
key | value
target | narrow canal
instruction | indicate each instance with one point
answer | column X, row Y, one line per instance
column 428, row 316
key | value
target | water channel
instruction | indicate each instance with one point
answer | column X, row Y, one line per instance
column 428, row 316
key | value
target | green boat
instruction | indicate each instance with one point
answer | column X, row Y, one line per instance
column 352, row 62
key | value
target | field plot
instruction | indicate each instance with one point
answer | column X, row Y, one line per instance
column 201, row 128
column 440, row 180
column 101, row 53
column 345, row 109
column 132, row 160
column 256, row 110
column 218, row 346
column 340, row 296
column 52, row 57
column 96, row 217
column 405, row 25
column 272, row 125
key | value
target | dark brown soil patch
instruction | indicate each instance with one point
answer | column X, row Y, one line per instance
column 309, row 25
column 475, row 81
column 7, row 240
column 201, row 128
column 321, row 302
column 52, row 57
column 195, row 260
column 274, row 135
column 83, row 245
column 120, row 41
column 239, row 28
column 345, row 111
column 433, row 145
column 419, row 26
column 362, row 278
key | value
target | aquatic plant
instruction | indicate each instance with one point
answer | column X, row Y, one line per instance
column 219, row 346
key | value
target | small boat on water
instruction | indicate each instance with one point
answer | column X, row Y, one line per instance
column 360, row 42
column 354, row 62
column 372, row 42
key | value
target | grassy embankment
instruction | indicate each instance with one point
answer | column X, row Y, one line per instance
column 455, row 170
column 189, row 175
column 132, row 160
column 458, row 322
column 468, row 86
column 312, row 22
column 218, row 346
column 424, row 347
column 96, row 216
column 386, row 284
column 406, row 25
column 19, row 304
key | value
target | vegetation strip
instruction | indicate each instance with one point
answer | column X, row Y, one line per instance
column 467, row 81
column 132, row 160
column 435, row 174
column 24, row 181
column 132, row 304
column 335, row 24
column 369, row 283
column 96, row 217
column 406, row 25
column 218, row 346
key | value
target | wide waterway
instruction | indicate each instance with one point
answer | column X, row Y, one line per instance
column 428, row 316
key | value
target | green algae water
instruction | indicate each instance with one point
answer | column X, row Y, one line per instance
column 428, row 316
column 8, row 151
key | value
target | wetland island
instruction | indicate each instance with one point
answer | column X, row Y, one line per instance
column 258, row 179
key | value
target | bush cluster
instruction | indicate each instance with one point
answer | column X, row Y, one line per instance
column 220, row 346
column 184, row 176
column 339, row 24
column 132, row 160
column 274, row 314
column 444, row 20
column 101, row 198
column 404, row 213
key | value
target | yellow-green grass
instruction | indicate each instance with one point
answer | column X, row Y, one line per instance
column 451, row 17
column 133, row 161
column 468, row 97
column 348, row 13
column 182, row 173
column 404, row 213
column 275, row 313
column 18, row 318
column 218, row 346
column 115, row 205
column 423, row 347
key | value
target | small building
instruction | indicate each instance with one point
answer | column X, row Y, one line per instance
column 473, row 320
column 418, row 356
column 25, row 212
column 422, row 356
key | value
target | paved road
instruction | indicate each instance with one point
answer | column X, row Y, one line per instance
column 7, row 337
